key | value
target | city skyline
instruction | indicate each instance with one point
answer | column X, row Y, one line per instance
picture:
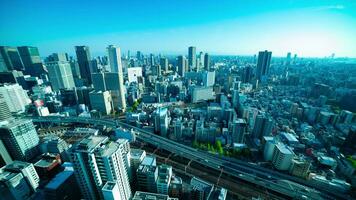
column 307, row 28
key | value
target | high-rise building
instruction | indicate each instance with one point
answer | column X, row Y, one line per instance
column 31, row 59
column 201, row 61
column 247, row 74
column 101, row 101
column 282, row 157
column 98, row 81
column 161, row 121
column 97, row 160
column 83, row 59
column 192, row 58
column 116, row 68
column 289, row 58
column 111, row 191
column 181, row 65
column 11, row 58
column 238, row 130
column 152, row 59
column 263, row 63
column 206, row 62
column 20, row 139
column 147, row 174
column 4, row 109
column 60, row 75
column 18, row 181
column 164, row 178
column 134, row 74
column 15, row 97
column 114, row 84
column 263, row 127
column 164, row 64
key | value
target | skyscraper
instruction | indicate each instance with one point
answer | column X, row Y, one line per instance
column 97, row 160
column 60, row 75
column 201, row 61
column 15, row 97
column 238, row 130
column 11, row 58
column 31, row 59
column 164, row 64
column 161, row 121
column 263, row 63
column 116, row 67
column 206, row 62
column 20, row 139
column 192, row 58
column 4, row 109
column 83, row 58
column 181, row 65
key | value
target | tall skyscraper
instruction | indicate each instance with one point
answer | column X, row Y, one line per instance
column 164, row 64
column 152, row 60
column 201, row 61
column 206, row 62
column 83, row 58
column 31, row 59
column 238, row 130
column 101, row 101
column 263, row 63
column 15, row 97
column 11, row 58
column 60, row 75
column 116, row 67
column 20, row 139
column 181, row 65
column 161, row 121
column 192, row 58
column 263, row 127
column 97, row 160
column 4, row 109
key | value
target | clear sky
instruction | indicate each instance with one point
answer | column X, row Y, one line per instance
column 241, row 27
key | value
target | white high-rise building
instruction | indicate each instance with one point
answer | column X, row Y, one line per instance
column 97, row 160
column 116, row 67
column 20, row 139
column 15, row 97
column 101, row 101
column 60, row 75
column 282, row 157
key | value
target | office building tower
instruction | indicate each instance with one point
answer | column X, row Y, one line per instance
column 156, row 70
column 147, row 174
column 164, row 64
column 114, row 84
column 289, row 58
column 152, row 60
column 201, row 62
column 111, row 191
column 57, row 57
column 116, row 67
column 164, row 178
column 139, row 55
column 247, row 74
column 98, row 80
column 11, row 58
column 282, row 157
column 208, row 78
column 31, row 60
column 181, row 65
column 3, row 67
column 192, row 58
column 178, row 129
column 5, row 157
column 20, row 139
column 263, row 127
column 161, row 121
column 239, row 127
column 83, row 59
column 101, row 101
column 5, row 113
column 15, row 97
column 263, row 63
column 136, row 157
column 134, row 74
column 18, row 181
column 97, row 160
column 60, row 75
column 206, row 62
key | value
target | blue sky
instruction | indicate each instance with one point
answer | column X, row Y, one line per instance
column 240, row 27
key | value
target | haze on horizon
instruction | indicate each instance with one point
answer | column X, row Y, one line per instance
column 309, row 28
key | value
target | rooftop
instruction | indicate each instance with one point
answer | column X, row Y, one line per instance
column 59, row 179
